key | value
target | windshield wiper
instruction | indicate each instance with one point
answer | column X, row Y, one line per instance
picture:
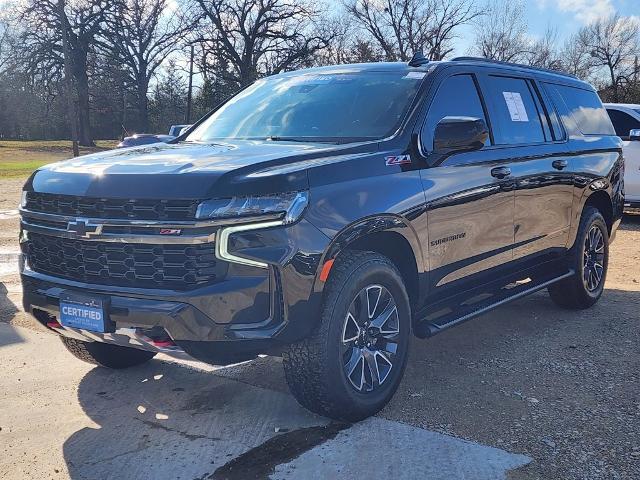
column 277, row 138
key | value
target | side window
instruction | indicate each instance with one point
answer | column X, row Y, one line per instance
column 550, row 109
column 516, row 111
column 457, row 96
column 623, row 123
column 584, row 107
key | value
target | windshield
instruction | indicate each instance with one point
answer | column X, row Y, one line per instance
column 337, row 107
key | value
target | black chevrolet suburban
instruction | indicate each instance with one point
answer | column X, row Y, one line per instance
column 325, row 216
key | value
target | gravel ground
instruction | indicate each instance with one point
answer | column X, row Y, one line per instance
column 529, row 378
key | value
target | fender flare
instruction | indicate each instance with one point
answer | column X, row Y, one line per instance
column 372, row 224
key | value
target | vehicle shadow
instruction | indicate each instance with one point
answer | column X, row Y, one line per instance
column 162, row 420
column 524, row 372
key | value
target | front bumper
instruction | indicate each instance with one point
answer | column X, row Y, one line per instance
column 181, row 321
column 249, row 312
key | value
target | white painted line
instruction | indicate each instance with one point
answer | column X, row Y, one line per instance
column 9, row 258
column 8, row 214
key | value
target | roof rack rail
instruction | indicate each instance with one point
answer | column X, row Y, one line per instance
column 510, row 64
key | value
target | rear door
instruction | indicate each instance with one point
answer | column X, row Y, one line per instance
column 528, row 135
column 470, row 201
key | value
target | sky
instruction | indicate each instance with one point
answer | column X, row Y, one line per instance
column 565, row 16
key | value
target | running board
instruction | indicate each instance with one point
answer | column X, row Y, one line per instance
column 451, row 315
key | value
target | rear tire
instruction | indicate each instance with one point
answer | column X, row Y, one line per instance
column 589, row 257
column 106, row 354
column 352, row 365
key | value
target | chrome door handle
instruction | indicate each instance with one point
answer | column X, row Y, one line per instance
column 560, row 164
column 500, row 172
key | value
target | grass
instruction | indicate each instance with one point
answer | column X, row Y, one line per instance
column 19, row 158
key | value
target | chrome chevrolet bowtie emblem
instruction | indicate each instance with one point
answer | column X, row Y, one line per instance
column 83, row 228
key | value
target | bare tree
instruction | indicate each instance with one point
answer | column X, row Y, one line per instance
column 501, row 32
column 575, row 59
column 348, row 46
column 403, row 27
column 5, row 45
column 65, row 32
column 613, row 44
column 543, row 52
column 258, row 37
column 141, row 34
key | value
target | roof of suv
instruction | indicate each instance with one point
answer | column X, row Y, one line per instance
column 428, row 66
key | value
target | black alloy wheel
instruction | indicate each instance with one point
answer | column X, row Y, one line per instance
column 370, row 338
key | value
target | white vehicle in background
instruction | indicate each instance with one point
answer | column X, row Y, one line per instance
column 626, row 121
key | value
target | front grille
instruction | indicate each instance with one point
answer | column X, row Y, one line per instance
column 167, row 266
column 138, row 209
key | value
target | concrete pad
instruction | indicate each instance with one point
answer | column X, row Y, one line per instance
column 156, row 421
column 61, row 418
column 378, row 448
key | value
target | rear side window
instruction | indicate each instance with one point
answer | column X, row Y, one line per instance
column 516, row 112
column 585, row 109
column 457, row 96
column 623, row 123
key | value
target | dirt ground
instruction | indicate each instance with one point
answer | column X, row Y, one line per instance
column 558, row 386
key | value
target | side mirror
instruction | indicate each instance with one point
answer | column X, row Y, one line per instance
column 459, row 134
column 634, row 135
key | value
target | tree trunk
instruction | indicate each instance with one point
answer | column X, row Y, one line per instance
column 143, row 106
column 614, row 82
column 84, row 124
column 72, row 112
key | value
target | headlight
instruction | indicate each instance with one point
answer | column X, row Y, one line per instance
column 23, row 199
column 290, row 205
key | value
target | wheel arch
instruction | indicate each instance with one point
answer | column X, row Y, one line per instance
column 391, row 236
column 601, row 200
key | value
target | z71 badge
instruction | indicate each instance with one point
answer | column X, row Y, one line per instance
column 397, row 160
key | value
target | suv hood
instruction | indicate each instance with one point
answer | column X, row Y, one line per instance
column 183, row 170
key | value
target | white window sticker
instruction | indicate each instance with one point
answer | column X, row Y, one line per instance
column 415, row 75
column 516, row 107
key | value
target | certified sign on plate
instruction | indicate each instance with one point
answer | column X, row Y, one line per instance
column 83, row 312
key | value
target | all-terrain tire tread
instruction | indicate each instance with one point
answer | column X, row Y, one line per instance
column 302, row 361
column 569, row 293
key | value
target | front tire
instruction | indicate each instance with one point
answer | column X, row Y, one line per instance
column 106, row 354
column 352, row 365
column 589, row 257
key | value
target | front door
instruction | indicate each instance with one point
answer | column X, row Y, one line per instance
column 469, row 196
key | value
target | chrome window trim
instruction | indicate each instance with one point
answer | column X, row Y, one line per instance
column 222, row 245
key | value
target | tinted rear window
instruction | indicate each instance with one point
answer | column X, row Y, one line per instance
column 515, row 110
column 585, row 109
